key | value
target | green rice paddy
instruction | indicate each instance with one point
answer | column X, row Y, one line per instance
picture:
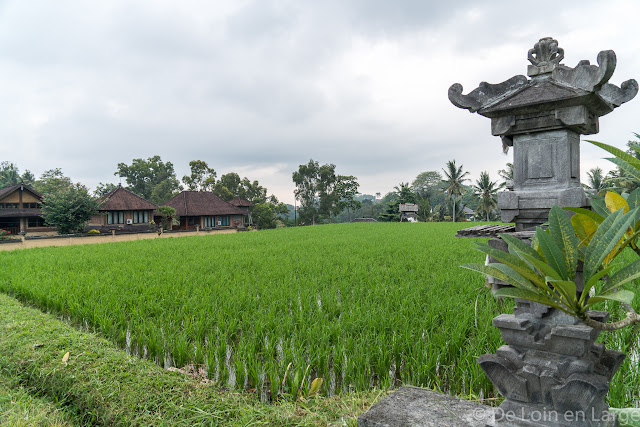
column 360, row 305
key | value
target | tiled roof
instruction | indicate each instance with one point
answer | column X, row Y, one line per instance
column 10, row 189
column 239, row 201
column 19, row 213
column 121, row 199
column 197, row 203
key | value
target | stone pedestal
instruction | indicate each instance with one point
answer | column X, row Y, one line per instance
column 551, row 372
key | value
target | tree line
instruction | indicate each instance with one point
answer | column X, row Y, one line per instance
column 325, row 196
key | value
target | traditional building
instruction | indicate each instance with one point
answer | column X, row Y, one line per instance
column 20, row 210
column 204, row 210
column 246, row 206
column 123, row 210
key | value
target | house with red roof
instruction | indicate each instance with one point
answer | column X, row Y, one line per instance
column 203, row 209
column 122, row 209
column 246, row 206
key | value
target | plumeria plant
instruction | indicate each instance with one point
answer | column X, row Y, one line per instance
column 547, row 270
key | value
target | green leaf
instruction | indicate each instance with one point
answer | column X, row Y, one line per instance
column 527, row 295
column 605, row 239
column 624, row 275
column 620, row 296
column 512, row 261
column 567, row 288
column 591, row 214
column 633, row 200
column 543, row 268
column 518, row 244
column 632, row 161
column 565, row 238
column 501, row 272
column 600, row 207
column 552, row 253
column 594, row 279
column 631, row 169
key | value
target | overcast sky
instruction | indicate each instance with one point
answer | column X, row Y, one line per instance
column 260, row 87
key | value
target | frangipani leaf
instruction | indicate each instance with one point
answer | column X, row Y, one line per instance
column 594, row 279
column 552, row 253
column 591, row 214
column 622, row 276
column 614, row 201
column 631, row 169
column 543, row 268
column 501, row 272
column 620, row 296
column 584, row 227
column 633, row 200
column 600, row 207
column 515, row 243
column 567, row 289
column 623, row 156
column 512, row 261
column 527, row 295
column 605, row 239
column 564, row 236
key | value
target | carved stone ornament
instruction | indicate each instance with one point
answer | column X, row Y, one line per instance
column 553, row 91
column 544, row 56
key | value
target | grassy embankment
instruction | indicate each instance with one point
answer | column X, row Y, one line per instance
column 100, row 385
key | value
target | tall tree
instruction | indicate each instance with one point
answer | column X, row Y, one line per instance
column 9, row 174
column 347, row 189
column 307, row 180
column 401, row 194
column 70, row 209
column 507, row 173
column 151, row 179
column 102, row 188
column 28, row 178
column 252, row 191
column 202, row 178
column 321, row 192
column 453, row 185
column 228, row 186
column 596, row 182
column 426, row 186
column 486, row 193
column 52, row 181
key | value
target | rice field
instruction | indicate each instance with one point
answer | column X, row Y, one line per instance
column 359, row 305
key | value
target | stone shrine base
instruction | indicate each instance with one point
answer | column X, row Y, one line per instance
column 412, row 406
column 417, row 407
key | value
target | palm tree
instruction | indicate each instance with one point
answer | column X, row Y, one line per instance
column 506, row 173
column 453, row 184
column 597, row 182
column 486, row 192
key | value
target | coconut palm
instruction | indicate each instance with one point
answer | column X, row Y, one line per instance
column 597, row 183
column 453, row 184
column 486, row 192
column 8, row 174
column 506, row 173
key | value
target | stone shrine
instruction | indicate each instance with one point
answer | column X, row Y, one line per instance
column 551, row 372
column 542, row 118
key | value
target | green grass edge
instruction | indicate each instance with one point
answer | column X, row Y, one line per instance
column 101, row 385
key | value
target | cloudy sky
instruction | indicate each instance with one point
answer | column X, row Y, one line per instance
column 260, row 87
